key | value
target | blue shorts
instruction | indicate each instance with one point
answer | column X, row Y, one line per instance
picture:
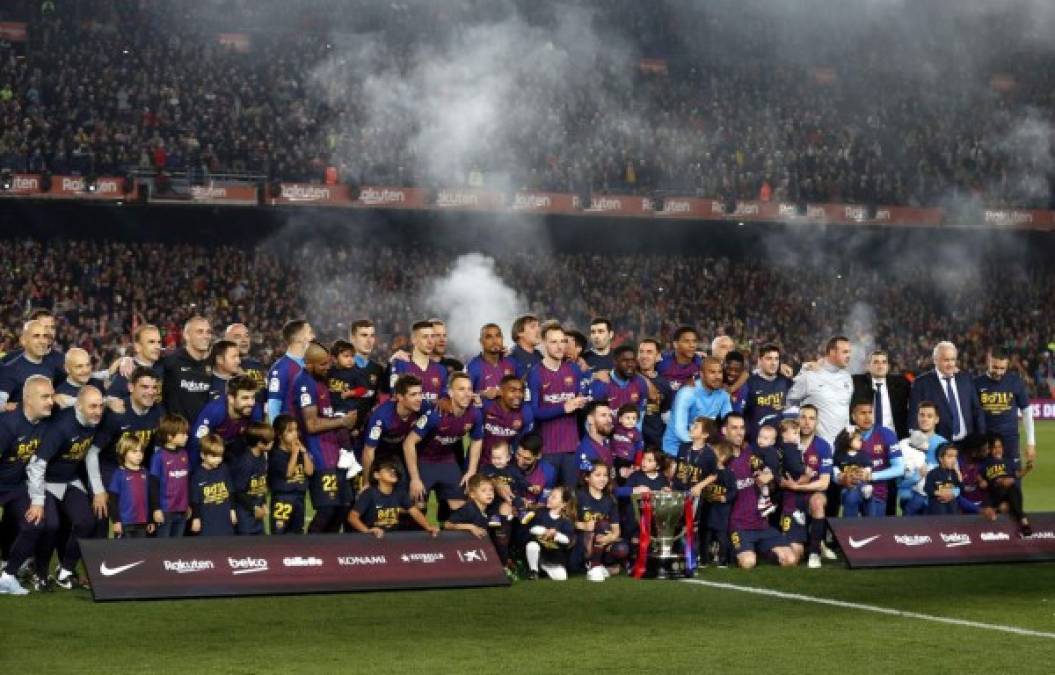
column 792, row 532
column 756, row 541
column 443, row 477
column 328, row 489
column 287, row 513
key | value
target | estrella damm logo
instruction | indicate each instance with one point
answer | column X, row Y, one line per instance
column 996, row 402
column 774, row 400
column 257, row 486
column 142, row 435
column 25, row 451
column 215, row 493
column 78, row 449
column 387, row 516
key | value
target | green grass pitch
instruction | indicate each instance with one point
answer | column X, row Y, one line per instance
column 622, row 625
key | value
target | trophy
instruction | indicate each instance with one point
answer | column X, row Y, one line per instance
column 666, row 512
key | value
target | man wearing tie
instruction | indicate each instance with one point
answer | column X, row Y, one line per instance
column 889, row 394
column 959, row 410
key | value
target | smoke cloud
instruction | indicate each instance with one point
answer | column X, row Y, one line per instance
column 469, row 296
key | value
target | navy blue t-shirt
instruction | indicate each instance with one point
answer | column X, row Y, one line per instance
column 376, row 509
column 210, row 498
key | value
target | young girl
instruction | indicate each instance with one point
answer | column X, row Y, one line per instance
column 212, row 509
column 552, row 535
column 378, row 507
column 598, row 545
column 626, row 443
column 477, row 516
column 170, row 477
column 720, row 495
column 851, row 469
column 998, row 480
column 651, row 477
column 288, row 467
column 129, row 488
column 943, row 483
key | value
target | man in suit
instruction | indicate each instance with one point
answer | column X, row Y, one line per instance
column 953, row 391
column 888, row 392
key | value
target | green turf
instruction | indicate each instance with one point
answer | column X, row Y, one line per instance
column 623, row 625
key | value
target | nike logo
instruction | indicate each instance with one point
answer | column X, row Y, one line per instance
column 862, row 542
column 111, row 571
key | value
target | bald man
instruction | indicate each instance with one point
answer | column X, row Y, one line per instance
column 186, row 378
column 36, row 343
column 21, row 433
column 68, row 509
column 78, row 375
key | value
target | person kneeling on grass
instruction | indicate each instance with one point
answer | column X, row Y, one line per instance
column 943, row 483
column 552, row 535
column 378, row 507
column 482, row 515
column 998, row 479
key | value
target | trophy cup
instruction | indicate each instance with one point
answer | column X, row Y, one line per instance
column 666, row 528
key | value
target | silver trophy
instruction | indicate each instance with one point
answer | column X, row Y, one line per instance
column 665, row 557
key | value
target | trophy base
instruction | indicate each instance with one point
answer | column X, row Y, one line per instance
column 665, row 568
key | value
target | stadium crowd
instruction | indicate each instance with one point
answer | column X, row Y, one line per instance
column 543, row 443
column 123, row 86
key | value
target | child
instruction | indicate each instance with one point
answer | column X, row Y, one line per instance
column 341, row 378
column 852, row 469
column 249, row 478
column 720, row 495
column 288, row 467
column 212, row 510
column 506, row 481
column 974, row 448
column 598, row 545
column 943, row 483
column 627, row 443
column 998, row 479
column 129, row 488
column 794, row 504
column 695, row 465
column 170, row 477
column 651, row 477
column 378, row 507
column 477, row 516
column 911, row 486
column 766, row 449
column 552, row 534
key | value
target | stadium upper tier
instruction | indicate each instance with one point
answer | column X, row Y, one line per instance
column 433, row 97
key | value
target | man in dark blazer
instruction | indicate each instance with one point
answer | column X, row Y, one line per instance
column 888, row 392
column 954, row 393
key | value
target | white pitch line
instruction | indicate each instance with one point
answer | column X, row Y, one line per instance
column 872, row 608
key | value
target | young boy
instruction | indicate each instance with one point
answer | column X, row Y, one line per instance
column 378, row 508
column 943, row 483
column 507, row 482
column 998, row 480
column 720, row 495
column 170, row 477
column 212, row 510
column 766, row 448
column 129, row 492
column 249, row 478
column 627, row 443
column 341, row 378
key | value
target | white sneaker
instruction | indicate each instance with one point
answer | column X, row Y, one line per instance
column 10, row 586
column 827, row 553
column 555, row 572
column 595, row 573
column 814, row 563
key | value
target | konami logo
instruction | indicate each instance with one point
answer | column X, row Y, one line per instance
column 356, row 560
